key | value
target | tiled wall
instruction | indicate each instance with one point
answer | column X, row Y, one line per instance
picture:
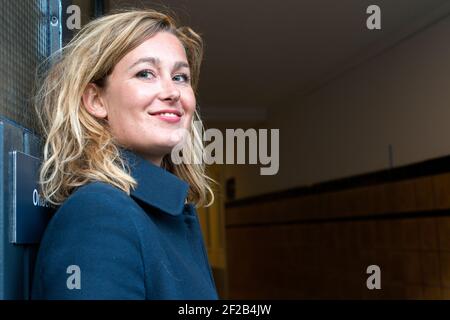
column 319, row 246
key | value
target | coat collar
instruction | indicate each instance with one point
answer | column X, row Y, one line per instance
column 156, row 187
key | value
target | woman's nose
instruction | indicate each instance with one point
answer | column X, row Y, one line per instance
column 169, row 91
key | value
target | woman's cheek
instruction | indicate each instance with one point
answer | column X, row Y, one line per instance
column 187, row 124
column 141, row 93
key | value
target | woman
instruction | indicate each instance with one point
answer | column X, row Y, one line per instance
column 111, row 106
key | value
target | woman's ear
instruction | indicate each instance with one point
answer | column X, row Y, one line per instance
column 93, row 102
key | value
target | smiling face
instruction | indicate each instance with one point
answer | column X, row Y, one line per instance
column 147, row 98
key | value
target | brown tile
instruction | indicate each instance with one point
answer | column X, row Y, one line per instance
column 378, row 199
column 293, row 233
column 345, row 235
column 336, row 204
column 368, row 257
column 443, row 225
column 382, row 258
column 341, row 264
column 325, row 236
column 409, row 232
column 432, row 293
column 352, row 289
column 402, row 196
column 428, row 233
column 413, row 292
column 424, row 194
column 396, row 235
column 371, row 200
column 273, row 211
column 383, row 234
column 311, row 235
column 366, row 235
column 329, row 286
column 393, row 291
column 445, row 269
column 323, row 203
column 309, row 206
column 441, row 187
column 333, row 210
column 430, row 268
column 356, row 267
column 358, row 201
column 347, row 201
column 412, row 267
column 404, row 234
column 445, row 293
column 405, row 268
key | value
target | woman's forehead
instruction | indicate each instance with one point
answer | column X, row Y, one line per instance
column 162, row 48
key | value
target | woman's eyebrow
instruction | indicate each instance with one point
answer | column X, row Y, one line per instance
column 151, row 60
column 156, row 62
column 180, row 64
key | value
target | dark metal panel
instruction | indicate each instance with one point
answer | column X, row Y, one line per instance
column 32, row 145
column 31, row 33
column 21, row 223
column 30, row 214
column 27, row 38
column 11, row 256
column 55, row 28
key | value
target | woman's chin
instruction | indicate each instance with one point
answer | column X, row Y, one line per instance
column 167, row 147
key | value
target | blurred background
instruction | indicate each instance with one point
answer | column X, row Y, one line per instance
column 364, row 172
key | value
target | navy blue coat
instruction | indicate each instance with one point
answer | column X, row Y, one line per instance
column 103, row 244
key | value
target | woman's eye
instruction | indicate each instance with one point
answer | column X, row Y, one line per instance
column 181, row 78
column 145, row 74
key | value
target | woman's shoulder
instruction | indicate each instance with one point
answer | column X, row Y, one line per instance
column 95, row 212
column 95, row 204
column 94, row 230
column 94, row 196
column 96, row 190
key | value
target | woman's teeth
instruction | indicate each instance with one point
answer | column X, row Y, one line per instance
column 168, row 114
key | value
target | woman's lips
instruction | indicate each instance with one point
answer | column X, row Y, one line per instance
column 167, row 117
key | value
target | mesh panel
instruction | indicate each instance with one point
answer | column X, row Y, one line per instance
column 24, row 43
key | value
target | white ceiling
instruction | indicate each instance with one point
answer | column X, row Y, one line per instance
column 261, row 54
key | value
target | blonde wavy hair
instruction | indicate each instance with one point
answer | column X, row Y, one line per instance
column 79, row 148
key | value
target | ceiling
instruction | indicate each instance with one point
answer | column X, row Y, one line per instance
column 261, row 54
